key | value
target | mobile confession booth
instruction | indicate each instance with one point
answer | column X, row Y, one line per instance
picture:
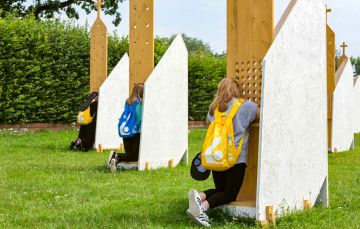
column 284, row 71
column 164, row 129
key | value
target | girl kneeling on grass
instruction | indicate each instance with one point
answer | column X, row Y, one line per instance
column 228, row 182
column 131, row 144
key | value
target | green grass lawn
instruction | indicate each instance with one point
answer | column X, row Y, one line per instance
column 43, row 184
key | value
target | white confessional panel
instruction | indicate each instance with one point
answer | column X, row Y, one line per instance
column 164, row 131
column 342, row 121
column 293, row 127
column 112, row 95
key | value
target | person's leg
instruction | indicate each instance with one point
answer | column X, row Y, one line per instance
column 219, row 181
column 233, row 181
column 134, row 154
column 131, row 146
column 197, row 201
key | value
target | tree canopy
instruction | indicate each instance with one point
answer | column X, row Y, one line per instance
column 49, row 8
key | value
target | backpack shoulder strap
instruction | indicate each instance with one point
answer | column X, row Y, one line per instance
column 236, row 106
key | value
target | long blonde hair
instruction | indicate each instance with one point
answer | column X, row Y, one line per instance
column 228, row 89
column 137, row 93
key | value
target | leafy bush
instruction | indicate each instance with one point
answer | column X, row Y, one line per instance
column 44, row 70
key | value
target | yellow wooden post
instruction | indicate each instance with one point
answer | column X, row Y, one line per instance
column 307, row 204
column 343, row 57
column 250, row 33
column 270, row 215
column 171, row 164
column 98, row 52
column 141, row 38
column 330, row 40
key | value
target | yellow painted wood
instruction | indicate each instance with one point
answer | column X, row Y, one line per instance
column 343, row 57
column 98, row 52
column 141, row 38
column 250, row 33
column 331, row 69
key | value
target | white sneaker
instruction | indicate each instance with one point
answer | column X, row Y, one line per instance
column 113, row 165
column 111, row 156
column 195, row 203
column 202, row 219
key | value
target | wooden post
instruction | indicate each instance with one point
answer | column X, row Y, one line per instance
column 270, row 215
column 250, row 33
column 307, row 204
column 98, row 52
column 100, row 148
column 171, row 164
column 331, row 75
column 141, row 38
column 147, row 166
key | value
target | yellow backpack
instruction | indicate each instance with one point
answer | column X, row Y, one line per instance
column 84, row 117
column 219, row 152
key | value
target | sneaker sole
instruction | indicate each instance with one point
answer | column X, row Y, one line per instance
column 110, row 157
column 113, row 166
column 194, row 219
column 194, row 208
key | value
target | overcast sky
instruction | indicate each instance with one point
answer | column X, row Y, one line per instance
column 206, row 20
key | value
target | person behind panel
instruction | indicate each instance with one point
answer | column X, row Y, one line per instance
column 228, row 182
column 131, row 144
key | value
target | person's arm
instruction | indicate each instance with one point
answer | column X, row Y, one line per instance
column 209, row 119
column 138, row 112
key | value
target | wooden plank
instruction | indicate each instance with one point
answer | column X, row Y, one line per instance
column 331, row 52
column 250, row 33
column 171, row 164
column 98, row 54
column 147, row 166
column 307, row 204
column 141, row 38
column 270, row 215
column 248, row 188
column 243, row 203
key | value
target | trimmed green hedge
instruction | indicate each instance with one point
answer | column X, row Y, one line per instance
column 44, row 70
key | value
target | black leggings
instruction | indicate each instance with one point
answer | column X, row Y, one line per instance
column 227, row 185
column 131, row 146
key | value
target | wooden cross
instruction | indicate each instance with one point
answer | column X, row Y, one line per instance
column 344, row 46
column 98, row 5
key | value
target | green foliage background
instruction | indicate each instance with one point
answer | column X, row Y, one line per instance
column 44, row 70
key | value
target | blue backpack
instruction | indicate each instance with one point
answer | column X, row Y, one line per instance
column 127, row 124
